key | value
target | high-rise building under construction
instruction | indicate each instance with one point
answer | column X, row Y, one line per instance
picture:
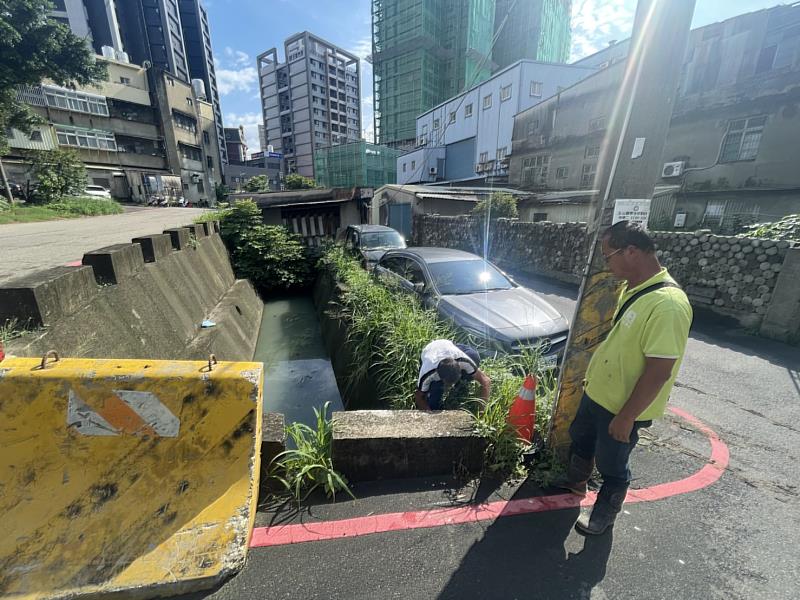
column 534, row 29
column 426, row 51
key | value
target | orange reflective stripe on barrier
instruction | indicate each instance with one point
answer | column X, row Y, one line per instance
column 126, row 475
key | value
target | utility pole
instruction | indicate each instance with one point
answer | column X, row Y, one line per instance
column 629, row 164
column 6, row 187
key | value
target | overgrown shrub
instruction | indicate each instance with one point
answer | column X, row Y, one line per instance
column 294, row 181
column 259, row 183
column 501, row 205
column 58, row 173
column 268, row 255
column 788, row 228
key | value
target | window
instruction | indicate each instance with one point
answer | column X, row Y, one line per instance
column 425, row 129
column 501, row 153
column 587, row 175
column 86, row 138
column 468, row 110
column 533, row 126
column 184, row 121
column 562, row 172
column 505, row 93
column 125, row 80
column 413, row 165
column 35, row 136
column 190, row 152
column 535, row 170
column 484, row 157
column 487, row 102
column 404, row 167
column 209, row 162
column 189, row 102
column 536, row 89
column 206, row 139
column 436, row 123
column 75, row 101
column 452, row 118
column 597, row 124
column 592, row 152
column 742, row 139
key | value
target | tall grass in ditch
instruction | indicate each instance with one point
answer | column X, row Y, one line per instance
column 387, row 331
column 389, row 328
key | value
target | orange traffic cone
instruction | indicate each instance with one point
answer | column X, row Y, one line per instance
column 522, row 415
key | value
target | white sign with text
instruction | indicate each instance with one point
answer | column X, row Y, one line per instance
column 635, row 211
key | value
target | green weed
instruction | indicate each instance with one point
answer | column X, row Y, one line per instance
column 309, row 466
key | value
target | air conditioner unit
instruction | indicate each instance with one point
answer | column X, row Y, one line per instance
column 672, row 169
column 433, row 171
column 479, row 168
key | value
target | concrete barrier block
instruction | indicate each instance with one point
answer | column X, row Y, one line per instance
column 44, row 297
column 114, row 264
column 273, row 441
column 391, row 444
column 782, row 319
column 154, row 247
column 179, row 236
column 196, row 230
column 208, row 226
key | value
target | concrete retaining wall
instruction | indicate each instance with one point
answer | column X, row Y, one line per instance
column 733, row 276
column 140, row 300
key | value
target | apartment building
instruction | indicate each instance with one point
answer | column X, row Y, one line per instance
column 469, row 137
column 728, row 159
column 124, row 138
column 310, row 100
column 236, row 145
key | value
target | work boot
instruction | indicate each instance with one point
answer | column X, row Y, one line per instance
column 603, row 514
column 576, row 478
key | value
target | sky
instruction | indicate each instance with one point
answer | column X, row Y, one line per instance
column 243, row 29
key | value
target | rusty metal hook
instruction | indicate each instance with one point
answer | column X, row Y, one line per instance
column 48, row 354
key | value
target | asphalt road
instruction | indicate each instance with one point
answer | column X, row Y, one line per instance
column 735, row 539
column 29, row 247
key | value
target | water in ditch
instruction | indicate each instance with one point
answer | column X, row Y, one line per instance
column 298, row 376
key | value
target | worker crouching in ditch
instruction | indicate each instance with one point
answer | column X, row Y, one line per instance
column 444, row 364
column 630, row 375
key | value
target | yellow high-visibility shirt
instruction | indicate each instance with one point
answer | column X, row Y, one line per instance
column 656, row 325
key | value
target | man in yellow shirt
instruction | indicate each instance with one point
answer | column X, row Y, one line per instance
column 631, row 373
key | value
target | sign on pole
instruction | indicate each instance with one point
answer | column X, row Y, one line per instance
column 635, row 211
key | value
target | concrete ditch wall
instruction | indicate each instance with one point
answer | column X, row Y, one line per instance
column 146, row 299
column 751, row 280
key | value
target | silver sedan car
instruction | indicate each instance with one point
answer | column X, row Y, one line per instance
column 496, row 313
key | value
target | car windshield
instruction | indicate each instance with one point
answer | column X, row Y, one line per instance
column 382, row 239
column 467, row 277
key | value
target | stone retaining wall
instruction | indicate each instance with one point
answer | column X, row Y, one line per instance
column 146, row 299
column 734, row 276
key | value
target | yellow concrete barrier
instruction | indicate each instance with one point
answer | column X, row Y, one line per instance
column 130, row 476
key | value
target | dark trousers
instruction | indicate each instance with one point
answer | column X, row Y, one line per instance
column 590, row 440
column 436, row 390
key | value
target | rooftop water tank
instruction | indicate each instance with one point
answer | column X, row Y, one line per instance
column 199, row 87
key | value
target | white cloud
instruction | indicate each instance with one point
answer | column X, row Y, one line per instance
column 250, row 121
column 597, row 22
column 236, row 80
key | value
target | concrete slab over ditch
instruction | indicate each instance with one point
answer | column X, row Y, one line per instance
column 390, row 444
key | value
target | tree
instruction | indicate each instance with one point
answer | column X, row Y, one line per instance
column 57, row 173
column 268, row 255
column 295, row 181
column 501, row 205
column 34, row 47
column 257, row 184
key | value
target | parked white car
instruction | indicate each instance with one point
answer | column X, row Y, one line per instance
column 98, row 191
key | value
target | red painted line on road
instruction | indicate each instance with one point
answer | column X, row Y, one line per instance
column 279, row 535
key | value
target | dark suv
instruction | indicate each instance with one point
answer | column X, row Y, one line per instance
column 369, row 242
